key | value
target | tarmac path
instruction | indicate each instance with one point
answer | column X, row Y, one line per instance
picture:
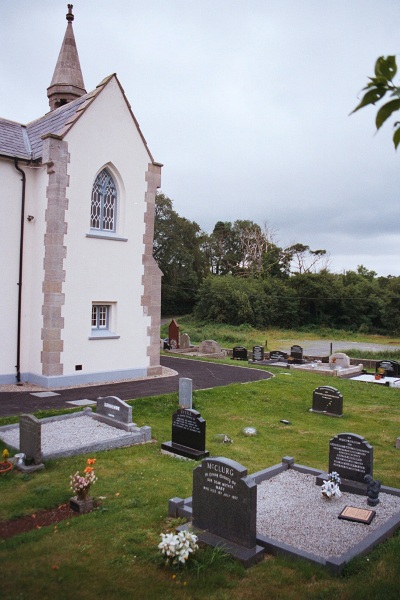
column 204, row 375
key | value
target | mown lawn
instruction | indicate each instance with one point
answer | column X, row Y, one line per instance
column 112, row 552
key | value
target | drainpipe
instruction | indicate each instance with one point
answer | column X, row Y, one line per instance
column 21, row 253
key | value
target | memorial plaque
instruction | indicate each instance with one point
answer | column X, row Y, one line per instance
column 351, row 456
column 239, row 353
column 224, row 501
column 359, row 515
column 327, row 400
column 30, row 439
column 258, row 353
column 188, row 435
column 391, row 368
column 185, row 392
column 278, row 355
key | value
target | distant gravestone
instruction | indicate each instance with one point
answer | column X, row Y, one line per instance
column 296, row 353
column 351, row 456
column 224, row 505
column 209, row 347
column 390, row 368
column 339, row 360
column 278, row 355
column 185, row 392
column 239, row 353
column 184, row 342
column 188, row 435
column 173, row 335
column 114, row 412
column 327, row 400
column 258, row 353
column 30, row 440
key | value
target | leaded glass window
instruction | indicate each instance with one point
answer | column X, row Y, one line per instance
column 104, row 202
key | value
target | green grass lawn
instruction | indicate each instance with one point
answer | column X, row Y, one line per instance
column 112, row 552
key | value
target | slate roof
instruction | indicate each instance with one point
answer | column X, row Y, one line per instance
column 26, row 141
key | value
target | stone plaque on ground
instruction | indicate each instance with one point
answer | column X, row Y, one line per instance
column 30, row 439
column 224, row 505
column 258, row 353
column 239, row 353
column 327, row 400
column 188, row 435
column 278, row 355
column 296, row 352
column 185, row 392
column 115, row 412
column 391, row 368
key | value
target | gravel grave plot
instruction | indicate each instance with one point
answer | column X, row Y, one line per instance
column 67, row 434
column 292, row 510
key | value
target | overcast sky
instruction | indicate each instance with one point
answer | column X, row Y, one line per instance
column 245, row 102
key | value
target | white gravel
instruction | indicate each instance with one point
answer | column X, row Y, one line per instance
column 67, row 434
column 291, row 509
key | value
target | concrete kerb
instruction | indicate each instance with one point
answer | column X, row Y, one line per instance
column 142, row 435
column 179, row 507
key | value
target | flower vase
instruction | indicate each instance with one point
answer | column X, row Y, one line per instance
column 81, row 505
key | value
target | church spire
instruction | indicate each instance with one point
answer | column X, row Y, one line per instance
column 67, row 83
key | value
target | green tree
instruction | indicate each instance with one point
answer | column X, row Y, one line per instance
column 178, row 250
column 377, row 88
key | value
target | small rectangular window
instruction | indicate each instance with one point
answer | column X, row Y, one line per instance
column 100, row 316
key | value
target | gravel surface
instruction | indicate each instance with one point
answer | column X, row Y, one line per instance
column 291, row 509
column 67, row 434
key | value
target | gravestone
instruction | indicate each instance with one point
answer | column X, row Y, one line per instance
column 188, row 435
column 296, row 353
column 30, row 442
column 239, row 353
column 209, row 347
column 351, row 456
column 185, row 392
column 115, row 412
column 390, row 368
column 184, row 342
column 173, row 335
column 339, row 360
column 258, row 353
column 278, row 356
column 224, row 505
column 327, row 400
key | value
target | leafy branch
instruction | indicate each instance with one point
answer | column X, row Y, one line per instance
column 377, row 88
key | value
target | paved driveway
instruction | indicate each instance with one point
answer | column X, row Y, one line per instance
column 203, row 374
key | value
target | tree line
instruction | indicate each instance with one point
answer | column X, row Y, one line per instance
column 239, row 274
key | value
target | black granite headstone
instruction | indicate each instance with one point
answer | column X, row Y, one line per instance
column 258, row 353
column 239, row 353
column 391, row 368
column 351, row 456
column 278, row 355
column 224, row 505
column 188, row 435
column 327, row 400
column 296, row 353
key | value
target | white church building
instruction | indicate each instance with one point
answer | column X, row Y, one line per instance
column 80, row 290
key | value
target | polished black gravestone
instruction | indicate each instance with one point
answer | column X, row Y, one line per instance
column 351, row 456
column 258, row 353
column 224, row 508
column 239, row 353
column 188, row 435
column 296, row 354
column 328, row 401
column 278, row 355
column 390, row 368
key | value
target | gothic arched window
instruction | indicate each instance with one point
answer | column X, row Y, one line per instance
column 104, row 203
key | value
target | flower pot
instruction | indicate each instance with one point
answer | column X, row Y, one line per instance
column 81, row 506
column 5, row 467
